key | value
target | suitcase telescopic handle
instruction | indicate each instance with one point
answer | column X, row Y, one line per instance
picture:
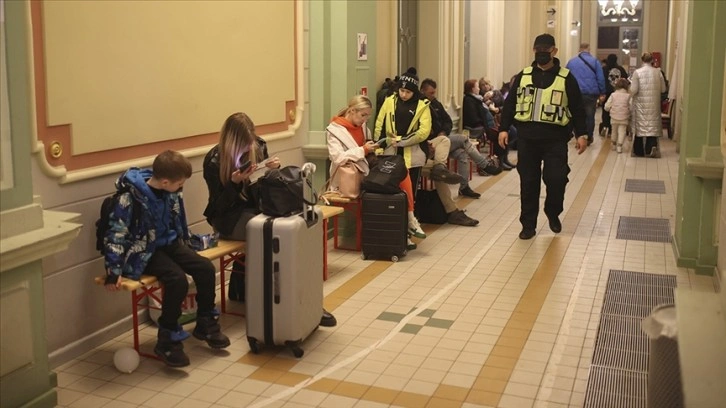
column 307, row 170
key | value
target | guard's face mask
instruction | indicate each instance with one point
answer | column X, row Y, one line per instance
column 542, row 57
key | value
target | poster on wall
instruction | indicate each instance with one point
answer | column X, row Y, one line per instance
column 362, row 47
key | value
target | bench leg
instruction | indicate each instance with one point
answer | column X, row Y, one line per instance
column 325, row 250
column 136, row 298
column 224, row 262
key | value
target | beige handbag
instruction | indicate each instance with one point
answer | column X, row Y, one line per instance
column 348, row 179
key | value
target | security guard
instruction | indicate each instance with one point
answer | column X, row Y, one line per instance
column 544, row 104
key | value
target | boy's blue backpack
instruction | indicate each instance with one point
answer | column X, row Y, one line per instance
column 102, row 224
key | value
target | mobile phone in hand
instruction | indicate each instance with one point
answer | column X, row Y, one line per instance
column 244, row 166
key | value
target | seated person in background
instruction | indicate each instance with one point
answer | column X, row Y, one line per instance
column 349, row 140
column 156, row 244
column 477, row 119
column 456, row 146
column 233, row 199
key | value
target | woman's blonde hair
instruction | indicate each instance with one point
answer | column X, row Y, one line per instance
column 356, row 103
column 237, row 140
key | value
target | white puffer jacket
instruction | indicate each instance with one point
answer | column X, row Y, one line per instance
column 646, row 88
column 618, row 104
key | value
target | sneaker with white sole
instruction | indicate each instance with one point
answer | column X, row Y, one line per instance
column 414, row 228
column 410, row 245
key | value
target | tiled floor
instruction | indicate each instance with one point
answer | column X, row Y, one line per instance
column 474, row 317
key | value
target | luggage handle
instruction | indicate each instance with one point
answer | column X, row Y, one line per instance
column 307, row 170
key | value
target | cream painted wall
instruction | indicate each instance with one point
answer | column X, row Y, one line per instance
column 387, row 34
column 655, row 27
column 70, row 295
column 429, row 39
column 128, row 73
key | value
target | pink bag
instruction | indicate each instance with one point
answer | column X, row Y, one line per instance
column 348, row 179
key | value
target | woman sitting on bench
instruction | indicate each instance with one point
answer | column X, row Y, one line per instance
column 233, row 198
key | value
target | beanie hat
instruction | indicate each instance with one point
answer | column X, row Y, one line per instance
column 409, row 80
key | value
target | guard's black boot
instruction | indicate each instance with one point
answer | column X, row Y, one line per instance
column 208, row 329
column 555, row 224
column 169, row 347
column 526, row 233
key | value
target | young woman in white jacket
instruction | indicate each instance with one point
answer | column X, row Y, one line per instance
column 349, row 140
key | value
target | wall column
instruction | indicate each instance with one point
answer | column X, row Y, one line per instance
column 701, row 163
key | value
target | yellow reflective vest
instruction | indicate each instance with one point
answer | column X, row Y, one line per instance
column 547, row 105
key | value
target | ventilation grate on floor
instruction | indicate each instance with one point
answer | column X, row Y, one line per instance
column 614, row 388
column 617, row 276
column 619, row 370
column 644, row 229
column 621, row 345
column 645, row 186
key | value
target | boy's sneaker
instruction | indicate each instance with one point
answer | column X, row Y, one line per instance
column 209, row 330
column 169, row 347
column 414, row 228
column 654, row 152
column 468, row 192
column 458, row 217
column 439, row 172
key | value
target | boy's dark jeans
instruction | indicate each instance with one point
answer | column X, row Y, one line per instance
column 171, row 264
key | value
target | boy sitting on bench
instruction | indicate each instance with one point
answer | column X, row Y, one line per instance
column 154, row 242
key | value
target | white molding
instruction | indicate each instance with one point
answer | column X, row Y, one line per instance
column 54, row 236
column 64, row 176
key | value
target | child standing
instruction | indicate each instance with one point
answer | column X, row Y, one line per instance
column 618, row 104
column 156, row 244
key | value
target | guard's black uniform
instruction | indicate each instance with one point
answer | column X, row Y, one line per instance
column 543, row 142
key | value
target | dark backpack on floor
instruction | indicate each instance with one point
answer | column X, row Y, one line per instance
column 429, row 209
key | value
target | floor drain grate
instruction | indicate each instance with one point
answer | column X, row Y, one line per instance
column 644, row 229
column 618, row 276
column 621, row 344
column 614, row 388
column 645, row 186
column 619, row 370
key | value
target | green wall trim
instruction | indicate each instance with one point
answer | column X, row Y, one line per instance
column 692, row 263
column 700, row 157
column 18, row 49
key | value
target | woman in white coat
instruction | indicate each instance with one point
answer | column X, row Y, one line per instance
column 647, row 84
column 349, row 140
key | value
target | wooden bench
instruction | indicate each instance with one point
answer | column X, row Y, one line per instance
column 227, row 252
column 355, row 206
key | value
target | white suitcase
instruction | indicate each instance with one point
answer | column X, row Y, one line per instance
column 284, row 279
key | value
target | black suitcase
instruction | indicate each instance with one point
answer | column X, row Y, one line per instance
column 385, row 224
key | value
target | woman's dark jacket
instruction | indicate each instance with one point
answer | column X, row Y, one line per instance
column 226, row 203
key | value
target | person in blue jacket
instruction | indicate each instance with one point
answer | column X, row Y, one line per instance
column 588, row 72
column 154, row 241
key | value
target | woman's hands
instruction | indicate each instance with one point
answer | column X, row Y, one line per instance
column 273, row 163
column 370, row 146
column 240, row 176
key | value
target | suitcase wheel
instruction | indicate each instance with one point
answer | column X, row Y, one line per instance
column 295, row 348
column 363, row 257
column 254, row 347
column 394, row 258
column 297, row 352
